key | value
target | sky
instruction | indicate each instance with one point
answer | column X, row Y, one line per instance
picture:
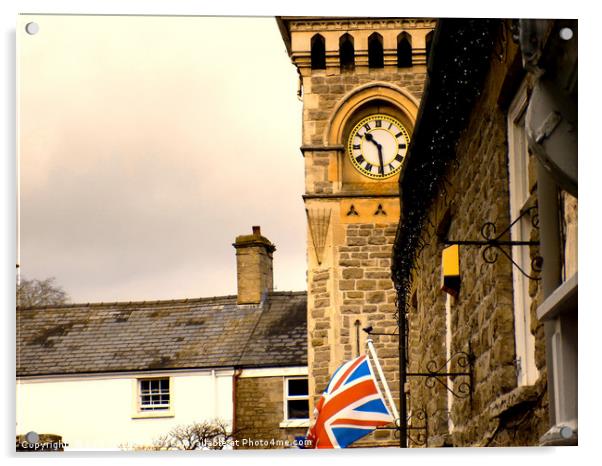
column 147, row 144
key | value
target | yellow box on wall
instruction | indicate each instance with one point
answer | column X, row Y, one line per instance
column 450, row 270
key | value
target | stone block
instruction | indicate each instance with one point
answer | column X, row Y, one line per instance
column 346, row 285
column 377, row 240
column 380, row 255
column 378, row 274
column 356, row 241
column 321, row 303
column 351, row 309
column 349, row 262
column 503, row 351
column 375, row 297
column 365, row 284
column 385, row 284
column 349, row 273
column 369, row 263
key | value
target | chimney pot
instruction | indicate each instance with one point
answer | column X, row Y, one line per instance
column 257, row 230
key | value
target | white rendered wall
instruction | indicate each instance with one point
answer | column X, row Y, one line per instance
column 100, row 412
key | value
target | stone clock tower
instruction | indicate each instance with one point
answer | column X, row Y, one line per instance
column 361, row 81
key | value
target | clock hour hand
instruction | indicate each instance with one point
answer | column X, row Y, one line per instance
column 370, row 138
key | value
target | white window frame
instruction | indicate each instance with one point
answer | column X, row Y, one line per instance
column 448, row 355
column 518, row 170
column 296, row 422
column 164, row 410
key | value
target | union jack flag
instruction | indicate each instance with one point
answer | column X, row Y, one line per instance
column 350, row 408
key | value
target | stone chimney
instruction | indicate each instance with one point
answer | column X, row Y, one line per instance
column 254, row 266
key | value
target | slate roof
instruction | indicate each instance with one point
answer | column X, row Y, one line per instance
column 178, row 334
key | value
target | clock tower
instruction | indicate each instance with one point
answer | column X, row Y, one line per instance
column 361, row 81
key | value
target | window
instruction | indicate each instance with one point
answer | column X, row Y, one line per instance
column 347, row 52
column 404, row 50
column 318, row 53
column 518, row 170
column 375, row 51
column 153, row 394
column 296, row 398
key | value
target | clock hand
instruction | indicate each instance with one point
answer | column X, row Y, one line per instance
column 380, row 159
column 370, row 138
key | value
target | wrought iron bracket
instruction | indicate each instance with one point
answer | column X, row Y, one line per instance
column 493, row 243
column 434, row 374
column 416, row 427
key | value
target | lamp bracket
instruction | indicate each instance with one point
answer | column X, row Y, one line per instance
column 493, row 243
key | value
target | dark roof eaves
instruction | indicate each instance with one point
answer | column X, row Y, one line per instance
column 162, row 370
column 415, row 203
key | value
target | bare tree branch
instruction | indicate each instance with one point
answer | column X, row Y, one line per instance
column 207, row 435
column 40, row 293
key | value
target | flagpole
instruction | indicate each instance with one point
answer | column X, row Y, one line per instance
column 384, row 381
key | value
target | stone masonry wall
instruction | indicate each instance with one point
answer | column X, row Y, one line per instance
column 365, row 293
column 259, row 412
column 322, row 93
column 368, row 294
column 499, row 413
column 349, row 277
column 353, row 282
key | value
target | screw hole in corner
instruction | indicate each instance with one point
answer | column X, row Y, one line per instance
column 32, row 28
column 566, row 33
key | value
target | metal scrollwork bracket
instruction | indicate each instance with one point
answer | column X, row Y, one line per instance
column 493, row 243
column 434, row 374
column 416, row 427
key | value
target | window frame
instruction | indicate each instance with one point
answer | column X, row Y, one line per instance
column 164, row 411
column 286, row 398
column 519, row 199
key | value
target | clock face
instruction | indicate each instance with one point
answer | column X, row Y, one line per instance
column 377, row 146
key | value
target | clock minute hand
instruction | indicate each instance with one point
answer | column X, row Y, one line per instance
column 380, row 159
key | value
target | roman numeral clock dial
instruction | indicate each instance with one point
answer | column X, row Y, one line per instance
column 377, row 146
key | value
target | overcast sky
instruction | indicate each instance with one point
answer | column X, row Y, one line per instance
column 147, row 144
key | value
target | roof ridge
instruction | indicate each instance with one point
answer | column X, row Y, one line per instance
column 272, row 293
column 101, row 304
